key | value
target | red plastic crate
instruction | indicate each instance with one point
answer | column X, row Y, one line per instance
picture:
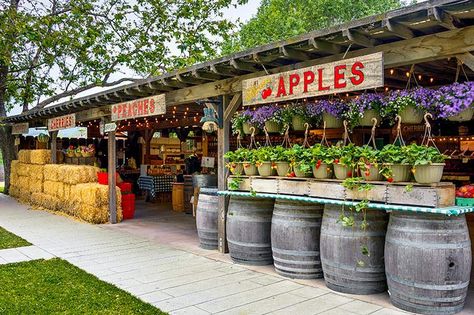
column 128, row 206
column 103, row 177
column 125, row 187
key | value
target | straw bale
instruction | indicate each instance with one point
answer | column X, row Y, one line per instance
column 36, row 171
column 35, row 185
column 23, row 183
column 40, row 157
column 78, row 174
column 54, row 189
column 67, row 192
column 51, row 172
column 14, row 167
column 24, row 156
column 97, row 215
column 14, row 191
column 91, row 194
column 46, row 201
column 23, row 169
column 13, row 179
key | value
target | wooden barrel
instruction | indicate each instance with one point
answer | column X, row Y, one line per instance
column 296, row 227
column 470, row 226
column 206, row 218
column 427, row 262
column 248, row 228
column 177, row 197
column 188, row 193
column 346, row 269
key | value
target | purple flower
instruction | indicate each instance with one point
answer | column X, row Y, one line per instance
column 368, row 101
column 248, row 114
column 336, row 108
column 264, row 113
column 454, row 98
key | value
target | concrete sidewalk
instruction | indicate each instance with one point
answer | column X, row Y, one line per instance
column 175, row 280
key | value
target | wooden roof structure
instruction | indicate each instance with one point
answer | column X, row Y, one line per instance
column 407, row 35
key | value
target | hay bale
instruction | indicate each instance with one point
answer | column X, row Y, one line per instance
column 23, row 169
column 24, row 156
column 14, row 167
column 51, row 172
column 40, row 157
column 46, row 201
column 54, row 189
column 77, row 174
column 91, row 194
column 23, row 183
column 67, row 192
column 35, row 185
column 36, row 171
column 14, row 191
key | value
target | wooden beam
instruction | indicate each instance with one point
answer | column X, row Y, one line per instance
column 112, row 180
column 158, row 86
column 244, row 66
column 208, row 76
column 224, row 71
column 443, row 18
column 400, row 53
column 467, row 59
column 54, row 145
column 233, row 106
column 358, row 38
column 223, row 135
column 266, row 59
column 174, row 83
column 294, row 53
column 188, row 80
column 397, row 29
column 326, row 47
column 133, row 92
column 93, row 113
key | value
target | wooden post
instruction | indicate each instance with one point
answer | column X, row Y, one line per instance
column 112, row 180
column 54, row 143
column 223, row 135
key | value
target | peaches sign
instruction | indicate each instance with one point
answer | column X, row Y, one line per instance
column 360, row 73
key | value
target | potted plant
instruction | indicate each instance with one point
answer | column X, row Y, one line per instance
column 280, row 160
column 411, row 105
column 428, row 163
column 248, row 156
column 395, row 164
column 321, row 161
column 263, row 161
column 269, row 117
column 300, row 161
column 368, row 163
column 344, row 160
column 235, row 161
column 364, row 108
column 333, row 112
column 295, row 115
column 455, row 101
column 242, row 121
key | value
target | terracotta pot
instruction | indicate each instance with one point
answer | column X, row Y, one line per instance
column 331, row 121
column 373, row 174
column 366, row 121
column 342, row 172
column 250, row 169
column 265, row 169
column 300, row 173
column 411, row 115
column 400, row 172
column 282, row 168
column 272, row 127
column 238, row 168
column 324, row 171
column 429, row 174
column 465, row 115
column 298, row 122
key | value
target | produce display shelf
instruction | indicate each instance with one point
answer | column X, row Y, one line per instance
column 449, row 211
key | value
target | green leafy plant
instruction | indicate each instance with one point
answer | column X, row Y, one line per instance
column 300, row 157
column 292, row 110
column 239, row 119
column 423, row 155
column 279, row 154
column 344, row 155
column 263, row 154
column 320, row 154
column 367, row 159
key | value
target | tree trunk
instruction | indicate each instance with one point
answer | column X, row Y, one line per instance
column 7, row 142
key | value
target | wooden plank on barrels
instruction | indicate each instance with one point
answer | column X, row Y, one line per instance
column 436, row 196
column 265, row 185
column 326, row 189
column 298, row 187
column 376, row 194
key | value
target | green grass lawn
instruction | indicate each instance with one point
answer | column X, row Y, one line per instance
column 10, row 240
column 56, row 286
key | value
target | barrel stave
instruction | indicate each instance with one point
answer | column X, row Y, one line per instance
column 206, row 218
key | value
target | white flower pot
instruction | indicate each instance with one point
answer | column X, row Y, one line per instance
column 246, row 128
column 300, row 173
column 282, row 168
column 465, row 115
column 373, row 174
column 429, row 174
column 265, row 169
column 331, row 121
column 400, row 172
column 342, row 172
column 250, row 169
column 366, row 121
column 298, row 122
column 237, row 168
column 411, row 115
column 324, row 171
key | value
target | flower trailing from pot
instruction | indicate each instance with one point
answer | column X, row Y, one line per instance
column 363, row 108
column 453, row 99
column 295, row 115
column 267, row 113
column 411, row 105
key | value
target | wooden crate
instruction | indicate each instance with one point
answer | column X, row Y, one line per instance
column 435, row 196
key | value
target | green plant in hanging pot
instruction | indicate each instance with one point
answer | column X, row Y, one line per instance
column 344, row 160
column 280, row 161
column 270, row 117
column 300, row 161
column 263, row 161
column 235, row 161
column 395, row 164
column 364, row 108
column 243, row 121
column 322, row 161
column 411, row 105
column 427, row 162
column 368, row 163
column 250, row 169
column 295, row 115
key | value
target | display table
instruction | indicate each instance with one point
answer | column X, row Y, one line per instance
column 156, row 184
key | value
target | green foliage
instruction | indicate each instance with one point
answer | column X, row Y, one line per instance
column 240, row 155
column 234, row 183
column 263, row 154
column 300, row 157
column 321, row 154
column 279, row 154
column 393, row 154
column 56, row 287
column 282, row 19
column 344, row 155
column 10, row 240
column 424, row 155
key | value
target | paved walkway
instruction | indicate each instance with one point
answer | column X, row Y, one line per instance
column 175, row 280
column 25, row 253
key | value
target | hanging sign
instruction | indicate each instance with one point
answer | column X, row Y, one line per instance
column 148, row 106
column 110, row 127
column 360, row 73
column 62, row 122
column 19, row 129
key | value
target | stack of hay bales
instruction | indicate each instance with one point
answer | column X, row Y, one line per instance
column 72, row 189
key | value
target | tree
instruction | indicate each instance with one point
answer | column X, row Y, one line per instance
column 282, row 19
column 51, row 49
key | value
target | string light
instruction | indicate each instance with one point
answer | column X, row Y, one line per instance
column 431, row 80
column 407, row 74
column 392, row 71
column 419, row 77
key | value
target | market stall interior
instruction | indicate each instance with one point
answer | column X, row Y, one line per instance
column 350, row 158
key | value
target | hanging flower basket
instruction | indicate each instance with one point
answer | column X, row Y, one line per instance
column 301, row 173
column 342, row 171
column 411, row 115
column 273, row 127
column 366, row 120
column 399, row 172
column 298, row 122
column 324, row 171
column 250, row 169
column 265, row 169
column 282, row 168
column 429, row 174
column 246, row 128
column 332, row 121
column 465, row 115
